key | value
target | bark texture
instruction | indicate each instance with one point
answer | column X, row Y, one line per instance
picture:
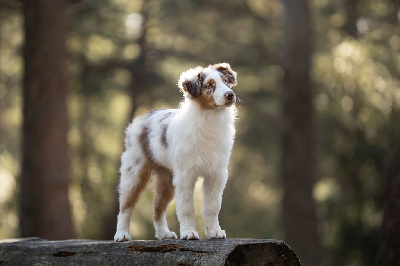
column 170, row 252
column 45, row 208
column 389, row 253
column 298, row 158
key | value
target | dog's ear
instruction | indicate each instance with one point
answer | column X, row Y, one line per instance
column 225, row 69
column 191, row 81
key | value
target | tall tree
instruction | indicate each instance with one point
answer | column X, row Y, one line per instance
column 45, row 207
column 389, row 253
column 298, row 154
column 352, row 16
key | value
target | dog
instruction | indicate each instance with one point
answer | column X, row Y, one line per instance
column 179, row 146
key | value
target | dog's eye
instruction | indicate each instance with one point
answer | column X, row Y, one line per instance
column 226, row 82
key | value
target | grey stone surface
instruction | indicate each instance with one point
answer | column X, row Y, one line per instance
column 36, row 251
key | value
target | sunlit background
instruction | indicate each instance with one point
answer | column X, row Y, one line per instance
column 117, row 47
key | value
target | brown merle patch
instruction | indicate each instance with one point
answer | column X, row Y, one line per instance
column 152, row 112
column 192, row 82
column 193, row 87
column 143, row 178
column 144, row 141
column 164, row 192
column 226, row 70
column 166, row 115
column 206, row 98
column 164, row 136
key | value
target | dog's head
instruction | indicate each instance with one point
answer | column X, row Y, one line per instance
column 211, row 87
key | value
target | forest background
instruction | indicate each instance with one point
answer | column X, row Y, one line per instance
column 124, row 59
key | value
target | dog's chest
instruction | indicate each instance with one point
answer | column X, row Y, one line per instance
column 204, row 148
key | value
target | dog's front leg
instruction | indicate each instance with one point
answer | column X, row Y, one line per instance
column 184, row 188
column 213, row 187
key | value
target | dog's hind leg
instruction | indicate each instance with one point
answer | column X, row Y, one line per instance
column 134, row 177
column 164, row 193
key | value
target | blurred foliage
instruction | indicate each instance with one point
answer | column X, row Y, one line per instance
column 121, row 49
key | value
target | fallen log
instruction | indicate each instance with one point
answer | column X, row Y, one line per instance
column 32, row 251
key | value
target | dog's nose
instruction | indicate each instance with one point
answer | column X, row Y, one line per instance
column 229, row 95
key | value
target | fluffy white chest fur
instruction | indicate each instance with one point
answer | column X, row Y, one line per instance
column 179, row 145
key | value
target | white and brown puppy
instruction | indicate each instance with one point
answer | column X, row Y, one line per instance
column 179, row 146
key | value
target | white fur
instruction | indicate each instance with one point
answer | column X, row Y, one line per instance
column 198, row 142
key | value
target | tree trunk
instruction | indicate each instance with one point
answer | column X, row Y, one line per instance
column 389, row 253
column 298, row 155
column 350, row 26
column 167, row 252
column 45, row 208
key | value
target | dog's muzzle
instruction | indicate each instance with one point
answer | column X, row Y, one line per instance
column 230, row 97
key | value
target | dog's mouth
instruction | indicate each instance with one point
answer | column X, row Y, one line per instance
column 227, row 104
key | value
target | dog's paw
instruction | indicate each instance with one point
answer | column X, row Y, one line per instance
column 167, row 235
column 216, row 234
column 122, row 237
column 189, row 235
